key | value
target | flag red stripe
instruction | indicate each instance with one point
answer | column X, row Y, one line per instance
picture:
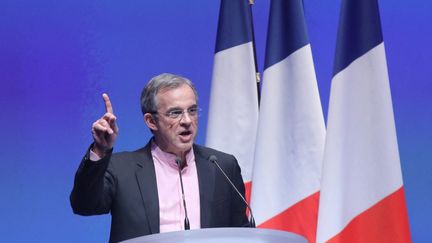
column 301, row 218
column 386, row 221
column 248, row 187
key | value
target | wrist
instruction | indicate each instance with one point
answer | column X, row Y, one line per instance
column 100, row 151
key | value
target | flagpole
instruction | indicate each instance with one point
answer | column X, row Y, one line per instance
column 257, row 74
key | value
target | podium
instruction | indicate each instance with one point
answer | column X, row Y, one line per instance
column 216, row 235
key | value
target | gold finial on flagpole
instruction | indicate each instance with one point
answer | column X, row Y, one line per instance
column 251, row 2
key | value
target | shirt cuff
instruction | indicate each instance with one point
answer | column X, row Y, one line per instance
column 93, row 156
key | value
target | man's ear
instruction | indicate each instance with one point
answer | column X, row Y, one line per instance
column 150, row 121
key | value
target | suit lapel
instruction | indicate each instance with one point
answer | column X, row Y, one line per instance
column 206, row 186
column 146, row 178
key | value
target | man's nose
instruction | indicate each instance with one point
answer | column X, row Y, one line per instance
column 185, row 118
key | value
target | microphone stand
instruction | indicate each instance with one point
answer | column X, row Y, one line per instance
column 186, row 220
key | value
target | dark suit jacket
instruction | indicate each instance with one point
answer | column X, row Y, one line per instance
column 125, row 185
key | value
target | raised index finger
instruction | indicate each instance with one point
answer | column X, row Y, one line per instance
column 108, row 106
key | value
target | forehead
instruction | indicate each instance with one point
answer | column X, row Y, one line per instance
column 182, row 96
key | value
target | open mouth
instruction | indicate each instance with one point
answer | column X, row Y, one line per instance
column 185, row 136
column 185, row 133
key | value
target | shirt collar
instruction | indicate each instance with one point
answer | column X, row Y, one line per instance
column 168, row 158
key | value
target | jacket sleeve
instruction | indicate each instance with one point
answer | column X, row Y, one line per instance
column 94, row 186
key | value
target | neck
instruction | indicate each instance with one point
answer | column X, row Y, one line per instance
column 180, row 154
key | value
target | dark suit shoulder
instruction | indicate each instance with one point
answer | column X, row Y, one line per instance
column 131, row 158
column 207, row 152
column 224, row 159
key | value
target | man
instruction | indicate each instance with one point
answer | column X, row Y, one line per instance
column 141, row 189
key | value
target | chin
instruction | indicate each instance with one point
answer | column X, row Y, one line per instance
column 186, row 146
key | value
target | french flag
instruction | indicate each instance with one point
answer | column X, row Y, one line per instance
column 362, row 194
column 233, row 108
column 291, row 130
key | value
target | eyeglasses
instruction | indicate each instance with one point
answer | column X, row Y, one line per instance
column 175, row 114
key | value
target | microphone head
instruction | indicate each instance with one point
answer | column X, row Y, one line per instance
column 178, row 161
column 212, row 158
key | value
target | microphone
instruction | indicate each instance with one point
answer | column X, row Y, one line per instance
column 213, row 159
column 186, row 220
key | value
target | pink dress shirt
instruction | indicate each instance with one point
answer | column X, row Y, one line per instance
column 171, row 211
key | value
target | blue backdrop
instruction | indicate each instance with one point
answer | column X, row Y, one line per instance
column 57, row 57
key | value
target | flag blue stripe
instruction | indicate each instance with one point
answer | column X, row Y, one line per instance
column 235, row 26
column 359, row 31
column 286, row 32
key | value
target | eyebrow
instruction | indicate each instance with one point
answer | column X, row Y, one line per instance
column 179, row 108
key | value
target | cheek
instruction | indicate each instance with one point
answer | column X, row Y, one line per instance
column 170, row 125
column 172, row 129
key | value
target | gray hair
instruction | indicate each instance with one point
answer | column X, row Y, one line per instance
column 149, row 103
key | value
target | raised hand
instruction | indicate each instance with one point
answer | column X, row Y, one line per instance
column 105, row 129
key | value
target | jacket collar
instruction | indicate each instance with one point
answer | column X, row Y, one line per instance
column 206, row 185
column 146, row 178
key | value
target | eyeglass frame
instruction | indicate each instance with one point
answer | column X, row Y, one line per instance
column 172, row 115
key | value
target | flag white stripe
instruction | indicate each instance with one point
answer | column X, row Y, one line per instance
column 233, row 108
column 290, row 139
column 361, row 161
